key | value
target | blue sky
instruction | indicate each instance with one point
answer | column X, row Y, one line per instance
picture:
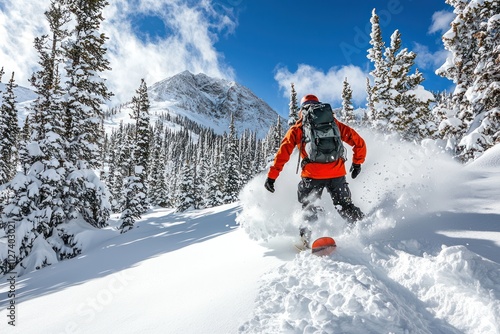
column 262, row 44
column 272, row 35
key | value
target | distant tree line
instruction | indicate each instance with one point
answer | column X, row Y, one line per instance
column 186, row 167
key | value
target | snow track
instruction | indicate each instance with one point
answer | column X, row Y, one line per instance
column 381, row 290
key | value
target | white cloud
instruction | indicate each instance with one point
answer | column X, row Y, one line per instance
column 427, row 59
column 441, row 22
column 326, row 86
column 193, row 31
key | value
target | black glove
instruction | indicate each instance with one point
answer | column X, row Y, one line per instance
column 269, row 185
column 355, row 170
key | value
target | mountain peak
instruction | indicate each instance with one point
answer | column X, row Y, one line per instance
column 211, row 102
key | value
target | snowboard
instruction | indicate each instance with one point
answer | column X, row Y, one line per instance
column 321, row 247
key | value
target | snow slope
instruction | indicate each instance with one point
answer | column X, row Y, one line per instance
column 426, row 260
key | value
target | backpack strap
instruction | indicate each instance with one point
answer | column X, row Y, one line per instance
column 301, row 145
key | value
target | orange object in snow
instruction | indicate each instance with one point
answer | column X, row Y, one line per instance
column 323, row 246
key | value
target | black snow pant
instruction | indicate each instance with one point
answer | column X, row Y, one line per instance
column 310, row 190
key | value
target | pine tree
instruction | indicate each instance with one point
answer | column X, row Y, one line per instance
column 247, row 157
column 117, row 169
column 164, row 196
column 277, row 135
column 140, row 112
column 483, row 93
column 380, row 111
column 47, row 129
column 86, row 91
column 24, row 135
column 397, row 101
column 32, row 250
column 2, row 72
column 186, row 187
column 9, row 133
column 203, row 151
column 448, row 125
column 156, row 182
column 369, row 103
column 293, row 115
column 36, row 207
column 347, row 113
column 411, row 116
column 130, row 203
column 232, row 183
column 132, row 189
column 215, row 178
column 459, row 66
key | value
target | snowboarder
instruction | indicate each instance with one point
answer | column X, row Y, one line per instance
column 316, row 176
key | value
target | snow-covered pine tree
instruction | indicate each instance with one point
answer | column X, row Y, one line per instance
column 293, row 115
column 9, row 133
column 130, row 203
column 257, row 157
column 277, row 135
column 25, row 133
column 32, row 251
column 411, row 116
column 214, row 196
column 272, row 142
column 48, row 134
column 156, row 166
column 200, row 171
column 380, row 109
column 396, row 101
column 483, row 94
column 231, row 171
column 185, row 194
column 140, row 113
column 117, row 169
column 369, row 104
column 132, row 190
column 448, row 124
column 86, row 92
column 110, row 177
column 246, row 152
column 172, row 162
column 347, row 113
column 459, row 67
column 2, row 72
column 164, row 194
column 38, row 189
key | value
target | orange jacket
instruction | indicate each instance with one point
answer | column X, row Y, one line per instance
column 314, row 170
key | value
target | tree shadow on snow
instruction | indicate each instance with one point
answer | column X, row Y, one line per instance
column 161, row 232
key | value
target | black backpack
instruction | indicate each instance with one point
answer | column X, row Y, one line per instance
column 320, row 134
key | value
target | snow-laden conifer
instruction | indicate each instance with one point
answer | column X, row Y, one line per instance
column 9, row 133
column 185, row 195
column 232, row 184
column 347, row 112
column 483, row 93
column 86, row 92
column 293, row 115
column 140, row 113
column 378, row 112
